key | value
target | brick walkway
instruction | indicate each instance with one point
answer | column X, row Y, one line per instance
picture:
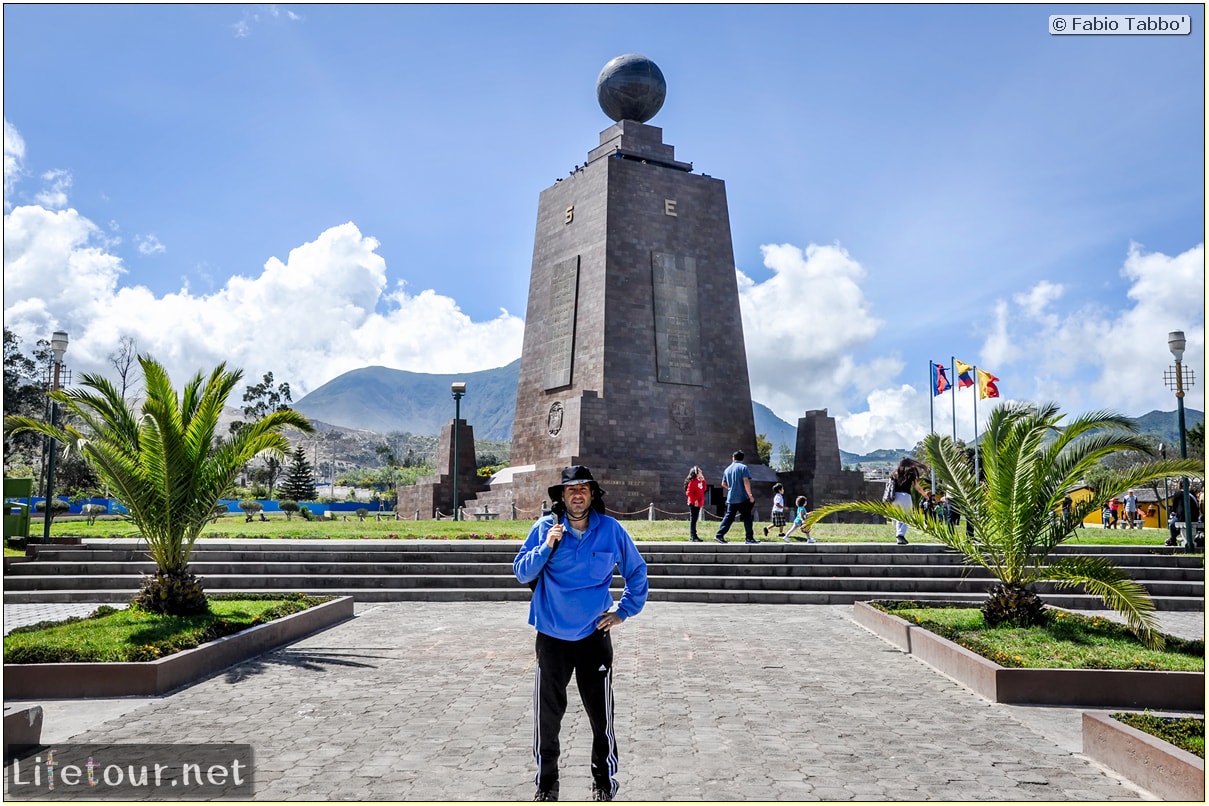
column 432, row 701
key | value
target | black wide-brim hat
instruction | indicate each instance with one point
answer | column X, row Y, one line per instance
column 575, row 474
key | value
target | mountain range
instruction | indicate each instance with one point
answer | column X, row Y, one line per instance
column 383, row 400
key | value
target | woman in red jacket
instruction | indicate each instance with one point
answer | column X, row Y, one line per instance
column 694, row 490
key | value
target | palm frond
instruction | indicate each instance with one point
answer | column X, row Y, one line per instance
column 1121, row 593
column 164, row 462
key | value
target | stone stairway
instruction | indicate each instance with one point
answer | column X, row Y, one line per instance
column 466, row 570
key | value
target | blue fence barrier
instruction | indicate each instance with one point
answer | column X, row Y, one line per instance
column 114, row 508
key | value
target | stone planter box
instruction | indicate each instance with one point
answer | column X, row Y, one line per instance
column 1153, row 764
column 23, row 681
column 1094, row 688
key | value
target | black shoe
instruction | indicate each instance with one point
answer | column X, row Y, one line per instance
column 601, row 793
column 719, row 538
column 546, row 794
column 902, row 541
column 751, row 540
column 695, row 539
column 766, row 531
column 1169, row 542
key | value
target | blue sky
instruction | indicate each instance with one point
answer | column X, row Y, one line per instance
column 311, row 189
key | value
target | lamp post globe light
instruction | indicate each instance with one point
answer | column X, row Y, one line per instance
column 458, row 388
column 1176, row 343
column 58, row 347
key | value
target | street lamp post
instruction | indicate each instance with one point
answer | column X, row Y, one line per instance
column 1177, row 343
column 1166, row 489
column 458, row 388
column 58, row 347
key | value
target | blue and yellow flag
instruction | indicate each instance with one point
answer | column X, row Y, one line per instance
column 965, row 376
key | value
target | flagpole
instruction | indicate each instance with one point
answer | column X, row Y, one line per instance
column 977, row 392
column 956, row 386
column 932, row 407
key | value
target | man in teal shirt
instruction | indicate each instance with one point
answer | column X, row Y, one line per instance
column 573, row 611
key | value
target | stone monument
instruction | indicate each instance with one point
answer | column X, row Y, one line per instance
column 818, row 474
column 432, row 496
column 633, row 361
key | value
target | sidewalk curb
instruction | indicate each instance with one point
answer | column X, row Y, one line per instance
column 1095, row 688
column 1151, row 763
column 24, row 681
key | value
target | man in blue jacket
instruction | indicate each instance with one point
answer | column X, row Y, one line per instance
column 573, row 611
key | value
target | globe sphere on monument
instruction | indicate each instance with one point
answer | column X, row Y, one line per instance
column 631, row 87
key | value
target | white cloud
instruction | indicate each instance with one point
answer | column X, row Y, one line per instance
column 998, row 349
column 322, row 312
column 1084, row 356
column 149, row 245
column 14, row 160
column 801, row 326
column 1097, row 356
column 250, row 19
column 54, row 194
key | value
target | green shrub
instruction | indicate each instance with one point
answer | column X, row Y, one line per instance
column 1186, row 733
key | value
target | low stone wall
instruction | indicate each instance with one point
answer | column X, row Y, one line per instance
column 23, row 681
column 22, row 728
column 1153, row 764
column 1095, row 688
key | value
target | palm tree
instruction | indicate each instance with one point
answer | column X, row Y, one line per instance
column 1030, row 462
column 167, row 464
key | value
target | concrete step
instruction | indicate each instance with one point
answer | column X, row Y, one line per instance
column 791, row 555
column 878, row 586
column 519, row 594
column 386, row 570
column 792, row 566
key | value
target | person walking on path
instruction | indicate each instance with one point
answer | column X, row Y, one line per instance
column 778, row 509
column 905, row 477
column 798, row 519
column 1114, row 507
column 573, row 611
column 694, row 490
column 1131, row 510
column 736, row 480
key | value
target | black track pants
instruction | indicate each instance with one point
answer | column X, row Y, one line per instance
column 591, row 659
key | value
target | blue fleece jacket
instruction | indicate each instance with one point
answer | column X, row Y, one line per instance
column 573, row 592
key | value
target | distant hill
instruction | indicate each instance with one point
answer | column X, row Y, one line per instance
column 775, row 430
column 1164, row 426
column 384, row 400
column 881, row 456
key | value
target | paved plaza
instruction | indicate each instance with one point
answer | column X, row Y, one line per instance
column 432, row 701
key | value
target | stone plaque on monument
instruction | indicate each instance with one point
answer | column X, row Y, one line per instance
column 560, row 323
column 677, row 319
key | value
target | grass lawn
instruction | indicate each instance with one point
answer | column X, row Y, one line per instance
column 110, row 635
column 235, row 527
column 1186, row 733
column 1068, row 641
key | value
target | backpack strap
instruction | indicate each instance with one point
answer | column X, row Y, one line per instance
column 533, row 582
